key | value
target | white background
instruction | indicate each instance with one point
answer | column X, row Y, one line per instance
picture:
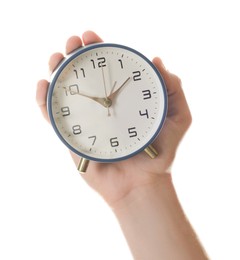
column 46, row 209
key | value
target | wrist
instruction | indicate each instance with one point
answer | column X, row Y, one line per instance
column 154, row 223
column 141, row 194
column 143, row 216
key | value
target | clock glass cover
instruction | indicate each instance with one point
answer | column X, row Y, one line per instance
column 107, row 102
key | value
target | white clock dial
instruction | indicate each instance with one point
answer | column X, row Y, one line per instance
column 107, row 102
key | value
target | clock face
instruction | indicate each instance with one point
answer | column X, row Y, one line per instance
column 107, row 102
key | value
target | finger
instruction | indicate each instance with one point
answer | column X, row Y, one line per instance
column 178, row 109
column 172, row 82
column 73, row 43
column 90, row 37
column 41, row 96
column 54, row 60
column 169, row 78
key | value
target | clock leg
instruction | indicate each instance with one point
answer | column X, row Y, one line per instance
column 151, row 152
column 83, row 165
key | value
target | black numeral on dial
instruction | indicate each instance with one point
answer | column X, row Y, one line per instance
column 65, row 111
column 93, row 138
column 144, row 113
column 77, row 129
column 72, row 90
column 146, row 94
column 121, row 63
column 132, row 132
column 114, row 142
column 136, row 75
column 101, row 62
column 82, row 72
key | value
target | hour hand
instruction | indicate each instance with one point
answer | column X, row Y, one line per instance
column 102, row 101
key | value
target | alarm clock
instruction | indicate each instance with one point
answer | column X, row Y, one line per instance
column 107, row 102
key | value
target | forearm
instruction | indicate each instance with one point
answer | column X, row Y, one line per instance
column 154, row 224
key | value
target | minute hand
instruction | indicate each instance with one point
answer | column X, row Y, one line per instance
column 114, row 94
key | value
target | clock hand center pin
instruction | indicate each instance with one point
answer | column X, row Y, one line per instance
column 107, row 101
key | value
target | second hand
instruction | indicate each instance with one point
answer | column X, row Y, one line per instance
column 105, row 91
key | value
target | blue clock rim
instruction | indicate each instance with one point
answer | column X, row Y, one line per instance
column 71, row 57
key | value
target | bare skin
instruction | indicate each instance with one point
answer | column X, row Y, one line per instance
column 142, row 187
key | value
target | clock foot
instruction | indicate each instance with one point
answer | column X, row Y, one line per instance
column 83, row 165
column 151, row 152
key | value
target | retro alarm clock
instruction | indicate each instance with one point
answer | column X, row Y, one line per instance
column 107, row 102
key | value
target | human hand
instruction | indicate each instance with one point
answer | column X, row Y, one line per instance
column 115, row 180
